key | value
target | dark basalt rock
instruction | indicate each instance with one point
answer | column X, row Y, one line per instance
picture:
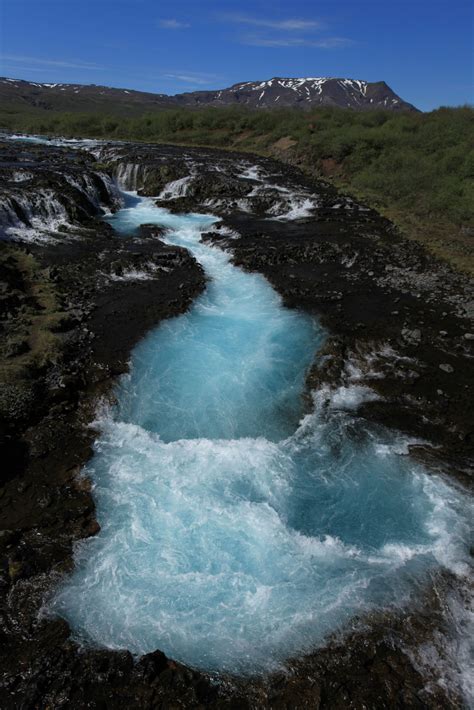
column 209, row 185
column 389, row 308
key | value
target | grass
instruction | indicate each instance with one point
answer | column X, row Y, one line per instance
column 415, row 168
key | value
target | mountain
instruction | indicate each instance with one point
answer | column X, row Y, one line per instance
column 302, row 93
column 273, row 93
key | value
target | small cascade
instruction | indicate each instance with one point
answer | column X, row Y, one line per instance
column 130, row 176
column 39, row 209
column 32, row 212
column 176, row 188
column 99, row 189
column 84, row 184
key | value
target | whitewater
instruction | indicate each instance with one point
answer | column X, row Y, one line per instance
column 239, row 528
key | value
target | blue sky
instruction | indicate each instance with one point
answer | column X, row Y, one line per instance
column 423, row 50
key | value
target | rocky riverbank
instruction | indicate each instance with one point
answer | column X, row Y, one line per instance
column 76, row 298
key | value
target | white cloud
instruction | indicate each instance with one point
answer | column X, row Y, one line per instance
column 173, row 24
column 296, row 24
column 49, row 62
column 323, row 43
column 281, row 32
column 190, row 77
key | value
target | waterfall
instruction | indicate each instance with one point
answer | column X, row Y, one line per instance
column 130, row 176
column 176, row 188
column 40, row 209
column 31, row 213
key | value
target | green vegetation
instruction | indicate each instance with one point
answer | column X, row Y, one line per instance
column 418, row 169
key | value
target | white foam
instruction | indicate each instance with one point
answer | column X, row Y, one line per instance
column 299, row 208
column 252, row 172
column 224, row 231
column 21, row 176
column 79, row 143
column 351, row 397
column 132, row 275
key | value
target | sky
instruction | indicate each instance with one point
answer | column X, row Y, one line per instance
column 423, row 49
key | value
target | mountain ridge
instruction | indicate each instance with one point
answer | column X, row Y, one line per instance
column 299, row 92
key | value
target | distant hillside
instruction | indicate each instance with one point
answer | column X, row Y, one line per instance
column 19, row 95
column 304, row 93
